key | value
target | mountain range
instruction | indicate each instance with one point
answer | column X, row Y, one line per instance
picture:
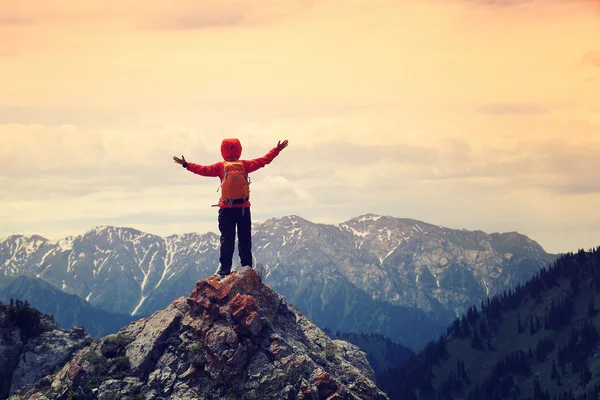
column 68, row 310
column 402, row 278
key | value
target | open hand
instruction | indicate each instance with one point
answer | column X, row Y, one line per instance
column 282, row 145
column 180, row 160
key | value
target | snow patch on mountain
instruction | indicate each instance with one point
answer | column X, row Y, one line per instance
column 135, row 310
column 32, row 245
column 382, row 259
column 369, row 217
column 168, row 260
column 419, row 228
column 355, row 232
column 66, row 244
column 41, row 264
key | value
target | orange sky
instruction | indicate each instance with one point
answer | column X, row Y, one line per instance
column 467, row 114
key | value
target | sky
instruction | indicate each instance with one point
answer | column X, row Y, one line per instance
column 469, row 114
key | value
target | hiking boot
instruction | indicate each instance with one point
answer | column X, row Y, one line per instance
column 220, row 274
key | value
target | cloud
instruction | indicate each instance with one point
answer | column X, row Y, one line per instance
column 283, row 190
column 588, row 116
column 57, row 176
column 203, row 21
column 66, row 161
column 592, row 58
column 11, row 20
column 353, row 154
column 203, row 15
column 515, row 3
column 71, row 12
column 512, row 109
column 55, row 116
column 159, row 14
column 575, row 188
column 414, row 132
column 503, row 3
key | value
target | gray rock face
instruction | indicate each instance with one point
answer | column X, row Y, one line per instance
column 27, row 357
column 154, row 332
column 233, row 338
column 11, row 346
column 44, row 355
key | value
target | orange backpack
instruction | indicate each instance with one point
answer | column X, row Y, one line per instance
column 235, row 185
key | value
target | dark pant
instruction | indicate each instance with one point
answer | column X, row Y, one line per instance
column 229, row 218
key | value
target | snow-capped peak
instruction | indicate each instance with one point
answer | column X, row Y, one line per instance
column 369, row 217
column 66, row 243
column 99, row 228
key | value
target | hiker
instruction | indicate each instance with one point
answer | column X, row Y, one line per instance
column 234, row 204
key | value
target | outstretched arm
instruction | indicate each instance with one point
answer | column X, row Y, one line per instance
column 204, row 170
column 253, row 165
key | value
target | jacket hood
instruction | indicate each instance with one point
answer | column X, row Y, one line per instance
column 231, row 148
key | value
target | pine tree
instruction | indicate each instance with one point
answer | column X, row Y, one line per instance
column 531, row 326
column 537, row 388
column 591, row 308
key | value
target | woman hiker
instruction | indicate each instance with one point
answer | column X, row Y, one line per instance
column 234, row 204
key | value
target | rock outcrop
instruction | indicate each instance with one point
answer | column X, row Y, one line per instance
column 32, row 346
column 233, row 338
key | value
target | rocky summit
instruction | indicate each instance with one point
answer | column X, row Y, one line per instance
column 233, row 338
column 32, row 346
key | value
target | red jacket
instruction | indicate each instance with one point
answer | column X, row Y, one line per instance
column 217, row 170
